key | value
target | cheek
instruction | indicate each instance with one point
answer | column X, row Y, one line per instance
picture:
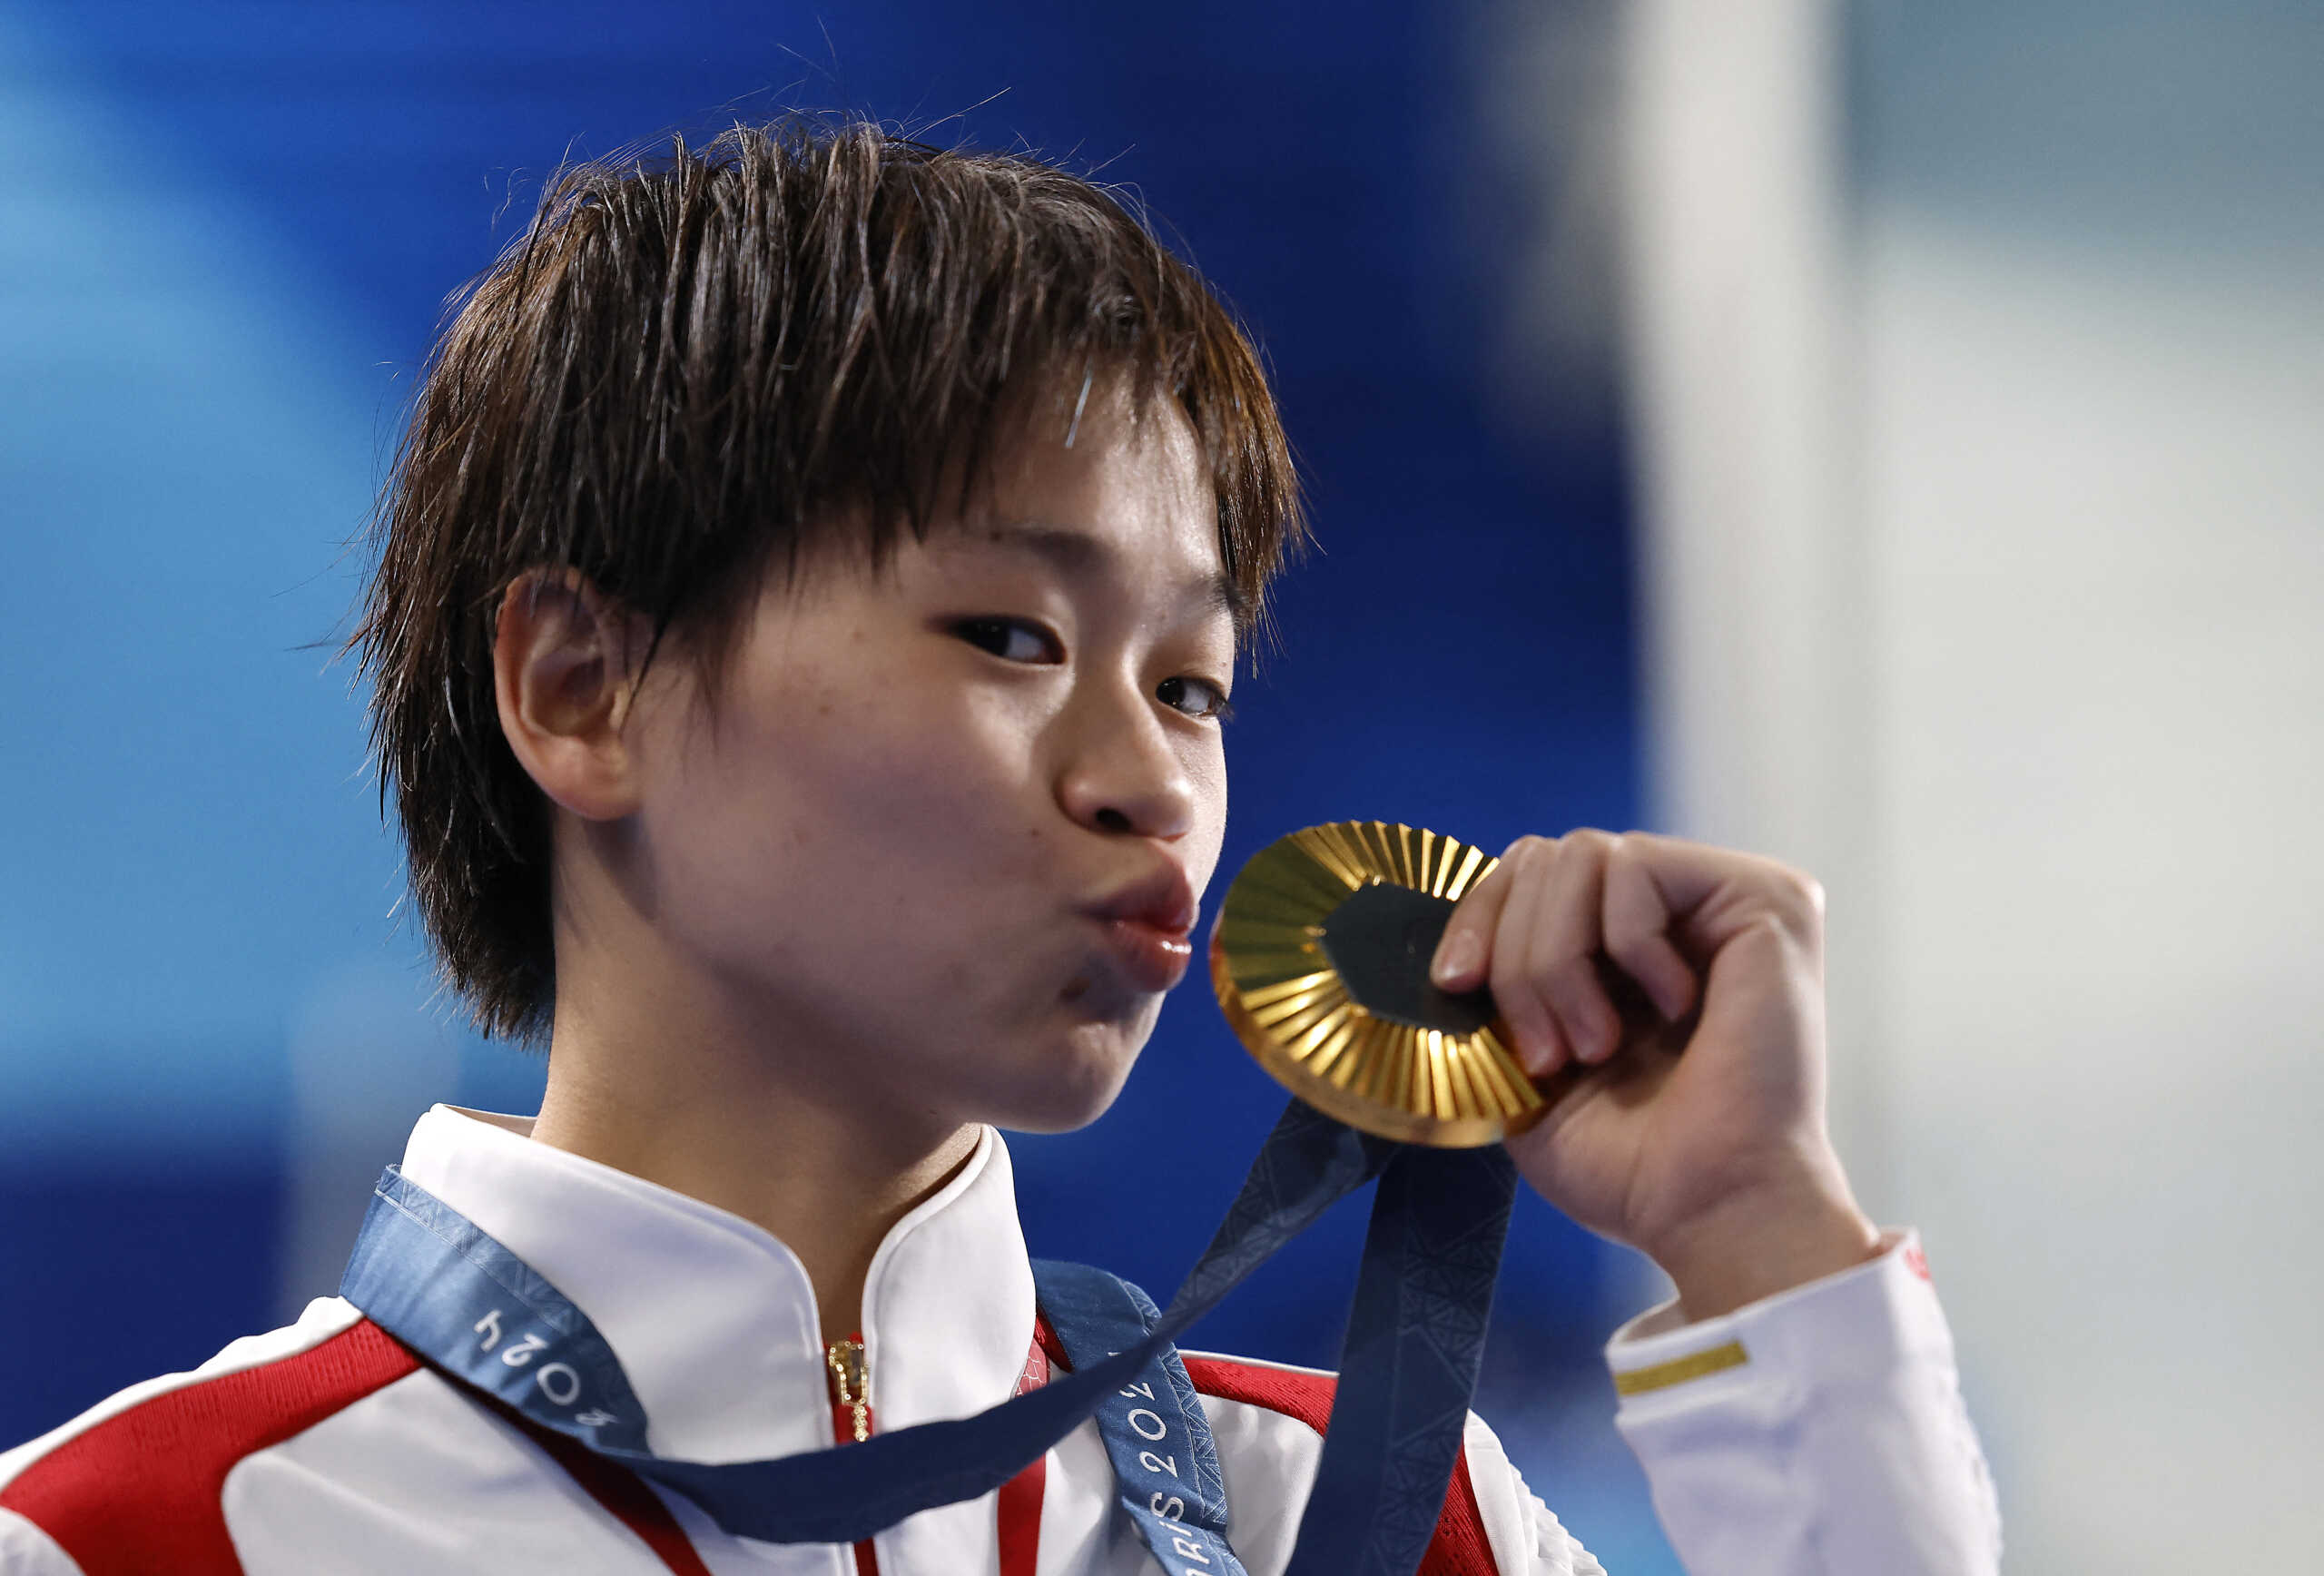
column 1209, row 778
column 864, row 792
column 932, row 778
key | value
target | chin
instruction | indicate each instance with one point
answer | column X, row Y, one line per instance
column 1073, row 1084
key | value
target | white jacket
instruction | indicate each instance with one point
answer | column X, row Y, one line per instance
column 1817, row 1431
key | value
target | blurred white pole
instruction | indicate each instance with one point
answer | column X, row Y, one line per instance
column 1985, row 565
column 1752, row 546
column 2097, row 489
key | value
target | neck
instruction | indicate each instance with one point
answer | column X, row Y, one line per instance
column 663, row 1085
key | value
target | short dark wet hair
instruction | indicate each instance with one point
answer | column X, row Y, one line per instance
column 694, row 370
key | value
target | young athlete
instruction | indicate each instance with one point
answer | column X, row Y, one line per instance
column 807, row 597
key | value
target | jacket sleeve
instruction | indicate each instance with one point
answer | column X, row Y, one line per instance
column 26, row 1551
column 1524, row 1538
column 1817, row 1433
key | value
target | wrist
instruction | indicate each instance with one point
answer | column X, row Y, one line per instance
column 1755, row 1243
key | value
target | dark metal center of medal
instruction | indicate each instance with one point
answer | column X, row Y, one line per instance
column 1380, row 940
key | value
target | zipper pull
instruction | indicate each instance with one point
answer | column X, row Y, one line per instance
column 851, row 1385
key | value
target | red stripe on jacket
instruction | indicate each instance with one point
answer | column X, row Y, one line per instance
column 1020, row 1496
column 140, row 1491
column 1458, row 1547
column 623, row 1495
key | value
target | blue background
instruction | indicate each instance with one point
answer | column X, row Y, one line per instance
column 225, row 235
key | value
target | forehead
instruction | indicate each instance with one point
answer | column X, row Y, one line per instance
column 1104, row 495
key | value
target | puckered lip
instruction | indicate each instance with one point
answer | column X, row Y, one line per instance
column 1163, row 901
column 1144, row 924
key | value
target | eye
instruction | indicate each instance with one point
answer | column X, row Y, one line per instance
column 1196, row 697
column 1011, row 639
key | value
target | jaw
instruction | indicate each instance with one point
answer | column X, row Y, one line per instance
column 1069, row 1083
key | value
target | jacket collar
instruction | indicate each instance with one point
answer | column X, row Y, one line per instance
column 713, row 1318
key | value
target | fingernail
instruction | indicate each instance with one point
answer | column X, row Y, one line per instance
column 1457, row 958
column 1603, row 1037
column 1540, row 1057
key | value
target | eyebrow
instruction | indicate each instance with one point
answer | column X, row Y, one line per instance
column 1078, row 555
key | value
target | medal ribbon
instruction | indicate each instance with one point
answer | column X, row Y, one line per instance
column 439, row 1284
column 1156, row 1434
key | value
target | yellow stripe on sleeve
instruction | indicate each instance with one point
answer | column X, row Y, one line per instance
column 1679, row 1370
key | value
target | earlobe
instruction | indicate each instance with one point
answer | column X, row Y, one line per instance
column 562, row 678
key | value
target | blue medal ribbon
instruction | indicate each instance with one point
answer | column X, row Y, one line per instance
column 440, row 1285
column 1408, row 1363
column 1154, row 1431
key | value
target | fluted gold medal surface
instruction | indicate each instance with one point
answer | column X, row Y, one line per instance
column 1320, row 958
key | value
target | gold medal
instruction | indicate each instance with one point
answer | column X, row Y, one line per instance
column 1320, row 958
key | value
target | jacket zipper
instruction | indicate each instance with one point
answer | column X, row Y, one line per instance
column 849, row 1378
column 850, row 1385
column 851, row 1391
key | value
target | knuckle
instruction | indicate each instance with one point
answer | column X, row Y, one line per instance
column 1593, row 841
column 1528, row 847
column 1801, row 894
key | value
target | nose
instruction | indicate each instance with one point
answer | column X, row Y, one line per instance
column 1122, row 773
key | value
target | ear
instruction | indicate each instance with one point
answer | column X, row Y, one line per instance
column 562, row 670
